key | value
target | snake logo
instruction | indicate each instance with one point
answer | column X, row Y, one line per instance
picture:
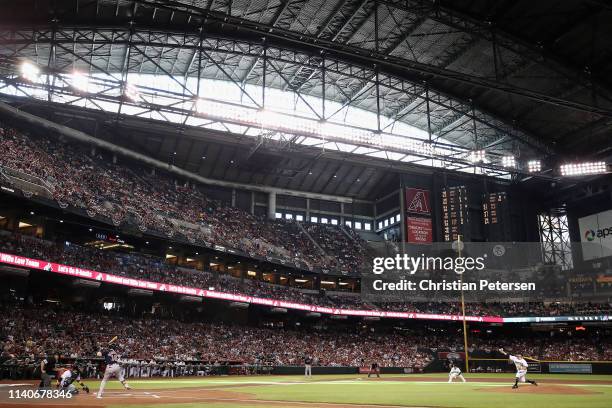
column 589, row 235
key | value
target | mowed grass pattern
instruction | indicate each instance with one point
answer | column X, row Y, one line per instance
column 397, row 391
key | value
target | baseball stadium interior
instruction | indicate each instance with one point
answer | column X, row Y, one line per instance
column 202, row 189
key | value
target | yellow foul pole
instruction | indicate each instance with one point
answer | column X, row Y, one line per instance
column 465, row 342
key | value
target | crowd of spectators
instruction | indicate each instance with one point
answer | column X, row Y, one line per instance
column 150, row 345
column 151, row 268
column 131, row 194
column 346, row 251
column 32, row 332
column 570, row 349
column 155, row 269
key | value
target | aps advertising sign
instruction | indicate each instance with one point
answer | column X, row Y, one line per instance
column 596, row 234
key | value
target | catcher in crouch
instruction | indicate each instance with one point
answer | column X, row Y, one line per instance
column 521, row 368
column 69, row 377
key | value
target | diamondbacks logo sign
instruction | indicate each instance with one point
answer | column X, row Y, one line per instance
column 417, row 201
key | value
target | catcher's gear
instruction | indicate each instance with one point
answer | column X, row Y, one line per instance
column 86, row 389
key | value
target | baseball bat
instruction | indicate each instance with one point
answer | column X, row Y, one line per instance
column 112, row 340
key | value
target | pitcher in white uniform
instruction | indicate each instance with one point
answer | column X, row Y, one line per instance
column 521, row 369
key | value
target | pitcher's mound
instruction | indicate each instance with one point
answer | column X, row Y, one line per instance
column 541, row 389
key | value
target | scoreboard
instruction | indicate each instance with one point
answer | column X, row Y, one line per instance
column 454, row 212
column 494, row 211
column 496, row 217
column 492, row 208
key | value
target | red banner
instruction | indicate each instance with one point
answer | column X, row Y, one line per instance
column 418, row 230
column 417, row 201
column 16, row 260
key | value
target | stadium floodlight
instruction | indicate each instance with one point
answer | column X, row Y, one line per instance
column 321, row 129
column 30, row 71
column 534, row 166
column 509, row 161
column 80, row 81
column 267, row 118
column 583, row 169
column 131, row 92
column 477, row 156
column 201, row 105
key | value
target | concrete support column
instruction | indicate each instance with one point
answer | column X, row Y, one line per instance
column 252, row 203
column 316, row 282
column 272, row 205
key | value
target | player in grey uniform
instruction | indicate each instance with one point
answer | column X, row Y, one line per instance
column 113, row 369
column 308, row 366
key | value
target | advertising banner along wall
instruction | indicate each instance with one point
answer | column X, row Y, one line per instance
column 16, row 260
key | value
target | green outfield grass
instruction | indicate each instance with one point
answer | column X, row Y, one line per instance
column 397, row 390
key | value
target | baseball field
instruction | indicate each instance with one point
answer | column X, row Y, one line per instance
column 346, row 391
